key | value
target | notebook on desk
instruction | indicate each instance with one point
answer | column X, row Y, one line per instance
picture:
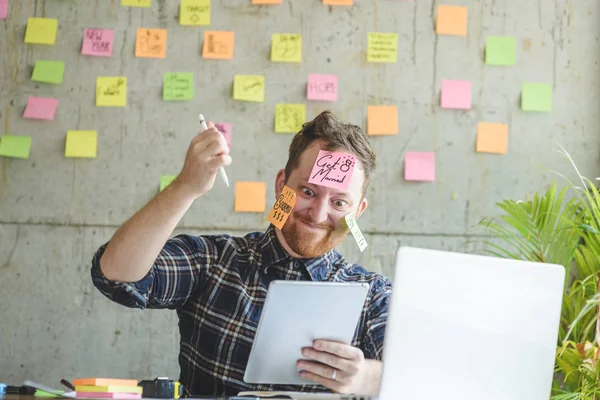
column 466, row 327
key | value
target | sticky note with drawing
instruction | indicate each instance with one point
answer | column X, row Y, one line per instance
column 111, row 91
column 286, row 47
column 289, row 118
column 178, row 86
column 333, row 169
column 283, row 207
column 218, row 45
column 356, row 232
column 41, row 30
column 322, row 87
column 194, row 12
column 40, row 108
column 249, row 88
column 98, row 42
column 151, row 43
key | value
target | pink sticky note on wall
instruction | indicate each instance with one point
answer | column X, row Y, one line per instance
column 98, row 42
column 419, row 166
column 3, row 9
column 322, row 87
column 225, row 129
column 40, row 108
column 333, row 169
column 456, row 95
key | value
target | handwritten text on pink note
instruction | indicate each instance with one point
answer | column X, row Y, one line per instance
column 322, row 87
column 40, row 108
column 419, row 166
column 333, row 169
column 3, row 9
column 456, row 95
column 225, row 129
column 98, row 42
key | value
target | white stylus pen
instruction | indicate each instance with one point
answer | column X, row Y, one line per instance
column 221, row 170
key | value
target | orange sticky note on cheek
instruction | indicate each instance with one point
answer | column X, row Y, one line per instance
column 283, row 207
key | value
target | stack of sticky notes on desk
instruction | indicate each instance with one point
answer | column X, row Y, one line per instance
column 103, row 388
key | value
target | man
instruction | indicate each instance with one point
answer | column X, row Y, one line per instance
column 218, row 284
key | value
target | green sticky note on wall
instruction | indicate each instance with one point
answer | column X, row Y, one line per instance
column 48, row 71
column 15, row 146
column 165, row 180
column 178, row 86
column 501, row 50
column 536, row 97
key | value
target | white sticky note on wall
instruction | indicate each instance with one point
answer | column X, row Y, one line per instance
column 355, row 230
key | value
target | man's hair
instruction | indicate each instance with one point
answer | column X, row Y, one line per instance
column 337, row 136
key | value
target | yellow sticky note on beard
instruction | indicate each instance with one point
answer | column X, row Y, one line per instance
column 283, row 207
column 355, row 230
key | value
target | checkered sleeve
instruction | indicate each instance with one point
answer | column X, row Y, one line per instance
column 376, row 320
column 174, row 277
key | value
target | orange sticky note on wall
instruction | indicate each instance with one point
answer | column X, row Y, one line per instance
column 382, row 120
column 151, row 43
column 337, row 2
column 218, row 45
column 266, row 1
column 492, row 138
column 451, row 20
column 283, row 207
column 250, row 196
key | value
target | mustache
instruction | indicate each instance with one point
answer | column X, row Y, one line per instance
column 321, row 225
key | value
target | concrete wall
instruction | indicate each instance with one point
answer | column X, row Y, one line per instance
column 55, row 212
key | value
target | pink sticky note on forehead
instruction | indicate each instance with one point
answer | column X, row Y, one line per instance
column 225, row 129
column 40, row 108
column 419, row 166
column 333, row 169
column 456, row 95
column 98, row 42
column 322, row 87
column 3, row 9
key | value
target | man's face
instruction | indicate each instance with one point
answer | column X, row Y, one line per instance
column 317, row 224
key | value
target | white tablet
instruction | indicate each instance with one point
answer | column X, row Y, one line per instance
column 295, row 314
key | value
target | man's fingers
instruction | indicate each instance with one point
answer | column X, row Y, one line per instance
column 322, row 370
column 220, row 161
column 339, row 349
column 328, row 359
column 215, row 148
column 328, row 383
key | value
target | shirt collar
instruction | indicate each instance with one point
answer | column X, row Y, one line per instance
column 274, row 253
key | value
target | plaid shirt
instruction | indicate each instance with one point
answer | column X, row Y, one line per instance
column 218, row 286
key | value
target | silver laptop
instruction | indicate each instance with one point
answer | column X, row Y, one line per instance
column 468, row 327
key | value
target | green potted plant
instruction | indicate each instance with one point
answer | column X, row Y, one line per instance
column 560, row 228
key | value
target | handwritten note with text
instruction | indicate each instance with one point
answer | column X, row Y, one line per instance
column 283, row 207
column 333, row 169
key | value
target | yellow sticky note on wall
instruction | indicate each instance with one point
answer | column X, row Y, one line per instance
column 151, row 43
column 136, row 3
column 382, row 47
column 289, row 118
column 249, row 88
column 283, row 207
column 250, row 196
column 81, row 144
column 111, row 91
column 194, row 12
column 41, row 30
column 286, row 47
